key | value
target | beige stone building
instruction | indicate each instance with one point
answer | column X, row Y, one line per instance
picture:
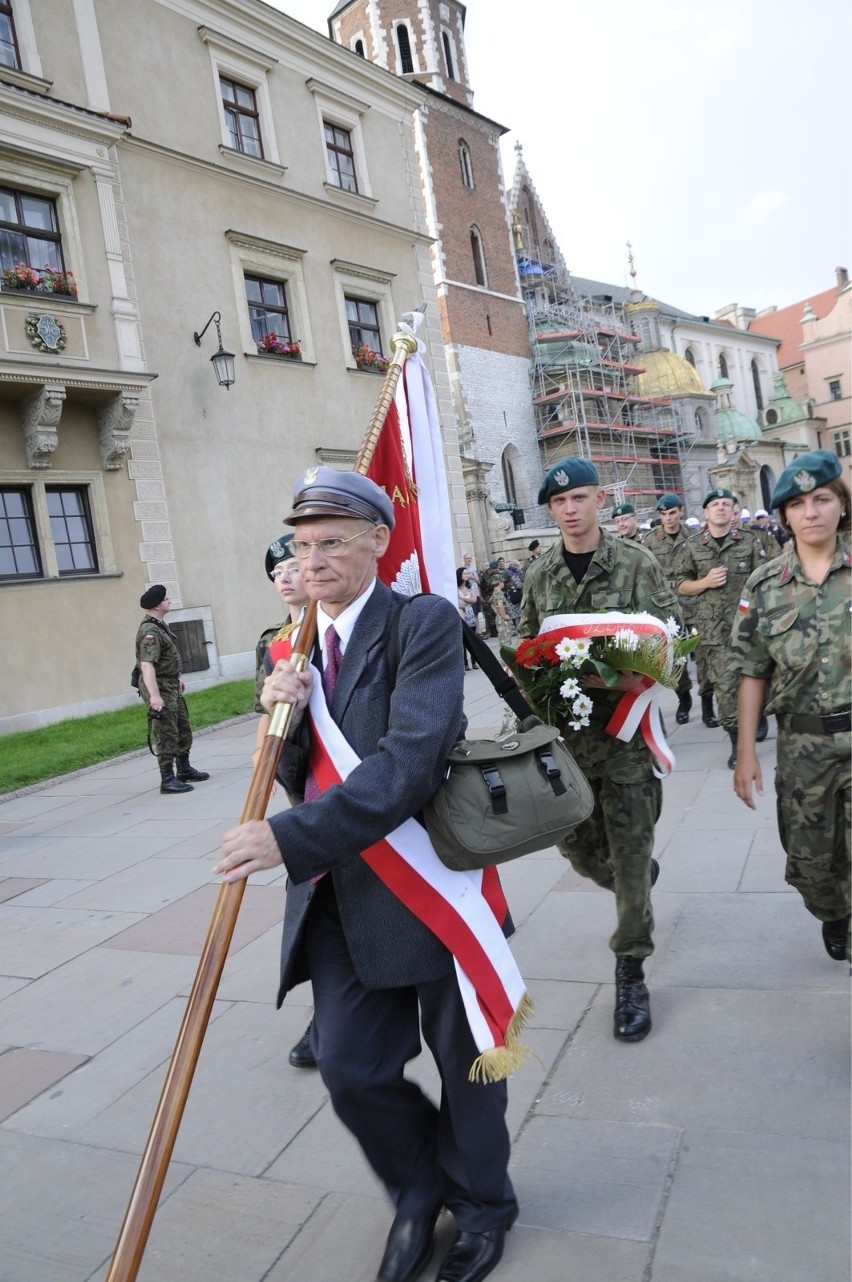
column 169, row 160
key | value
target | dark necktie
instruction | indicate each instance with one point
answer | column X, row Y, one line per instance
column 333, row 660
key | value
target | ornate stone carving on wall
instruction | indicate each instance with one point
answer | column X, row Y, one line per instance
column 40, row 414
column 115, row 420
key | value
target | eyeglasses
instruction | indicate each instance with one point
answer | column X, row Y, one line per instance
column 285, row 573
column 330, row 548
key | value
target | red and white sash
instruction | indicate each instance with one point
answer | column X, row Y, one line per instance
column 636, row 709
column 462, row 909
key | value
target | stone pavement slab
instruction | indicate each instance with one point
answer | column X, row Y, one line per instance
column 714, row 1151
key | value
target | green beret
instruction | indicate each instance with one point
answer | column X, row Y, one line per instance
column 804, row 474
column 567, row 474
column 719, row 494
column 623, row 509
column 667, row 501
column 155, row 595
column 280, row 550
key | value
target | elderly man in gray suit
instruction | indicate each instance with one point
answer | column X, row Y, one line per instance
column 378, row 972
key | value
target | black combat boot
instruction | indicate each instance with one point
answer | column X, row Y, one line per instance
column 762, row 728
column 684, row 706
column 732, row 760
column 708, row 716
column 632, row 1019
column 185, row 771
column 168, row 782
column 835, row 936
column 301, row 1056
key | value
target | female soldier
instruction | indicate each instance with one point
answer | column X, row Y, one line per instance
column 792, row 633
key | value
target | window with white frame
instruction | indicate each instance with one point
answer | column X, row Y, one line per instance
column 53, row 530
column 366, row 312
column 240, row 76
column 269, row 280
column 835, row 389
column 403, row 42
column 340, row 118
column 842, row 443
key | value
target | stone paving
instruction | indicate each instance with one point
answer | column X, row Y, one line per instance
column 717, row 1150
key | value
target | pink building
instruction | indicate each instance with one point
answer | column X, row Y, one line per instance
column 815, row 358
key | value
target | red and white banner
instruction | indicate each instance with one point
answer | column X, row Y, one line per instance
column 409, row 466
column 637, row 709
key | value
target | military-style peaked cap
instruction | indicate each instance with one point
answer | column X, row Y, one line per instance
column 323, row 491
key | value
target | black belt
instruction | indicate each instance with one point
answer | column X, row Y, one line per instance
column 831, row 723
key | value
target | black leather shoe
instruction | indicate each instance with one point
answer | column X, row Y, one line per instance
column 632, row 1018
column 189, row 772
column 301, row 1056
column 409, row 1247
column 472, row 1256
column 835, row 936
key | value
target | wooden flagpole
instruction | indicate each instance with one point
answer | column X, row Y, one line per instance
column 139, row 1216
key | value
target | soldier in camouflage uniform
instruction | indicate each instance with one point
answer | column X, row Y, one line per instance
column 792, row 637
column 713, row 566
column 626, row 522
column 588, row 570
column 162, row 690
column 665, row 542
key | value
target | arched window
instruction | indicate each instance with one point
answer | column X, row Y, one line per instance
column 689, row 355
column 758, row 394
column 509, row 480
column 723, row 366
column 406, row 61
column 646, row 333
column 465, row 164
column 359, row 48
column 478, row 257
column 448, row 55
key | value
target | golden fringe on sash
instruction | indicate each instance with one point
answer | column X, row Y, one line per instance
column 500, row 1062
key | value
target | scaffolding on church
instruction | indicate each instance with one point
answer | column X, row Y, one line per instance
column 584, row 370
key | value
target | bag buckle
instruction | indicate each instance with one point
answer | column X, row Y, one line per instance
column 496, row 787
column 548, row 764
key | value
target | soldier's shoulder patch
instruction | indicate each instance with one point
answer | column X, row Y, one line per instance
column 150, row 636
column 743, row 605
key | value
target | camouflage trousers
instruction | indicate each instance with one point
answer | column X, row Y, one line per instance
column 812, row 788
column 723, row 679
column 705, row 685
column 614, row 845
column 172, row 733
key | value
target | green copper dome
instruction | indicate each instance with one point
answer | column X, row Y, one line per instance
column 731, row 423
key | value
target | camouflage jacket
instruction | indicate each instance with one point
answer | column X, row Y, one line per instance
column 622, row 575
column 667, row 551
column 261, row 669
column 795, row 634
column 712, row 612
column 155, row 644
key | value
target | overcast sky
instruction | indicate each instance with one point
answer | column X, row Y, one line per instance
column 715, row 136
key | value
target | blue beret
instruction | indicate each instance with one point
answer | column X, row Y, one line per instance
column 804, row 474
column 323, row 491
column 667, row 501
column 280, row 550
column 567, row 474
column 719, row 494
column 624, row 509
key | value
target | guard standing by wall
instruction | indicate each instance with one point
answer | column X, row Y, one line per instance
column 162, row 690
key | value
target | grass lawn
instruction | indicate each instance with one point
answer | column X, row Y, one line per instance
column 33, row 755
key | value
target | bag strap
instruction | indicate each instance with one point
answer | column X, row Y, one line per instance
column 505, row 684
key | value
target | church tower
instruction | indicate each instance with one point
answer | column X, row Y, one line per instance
column 483, row 319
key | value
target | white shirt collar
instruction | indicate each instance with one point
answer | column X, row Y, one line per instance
column 345, row 622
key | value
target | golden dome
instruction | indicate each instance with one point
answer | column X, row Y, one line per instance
column 666, row 375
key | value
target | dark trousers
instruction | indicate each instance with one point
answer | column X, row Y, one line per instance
column 456, row 1154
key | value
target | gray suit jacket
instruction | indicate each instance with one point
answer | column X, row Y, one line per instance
column 402, row 733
